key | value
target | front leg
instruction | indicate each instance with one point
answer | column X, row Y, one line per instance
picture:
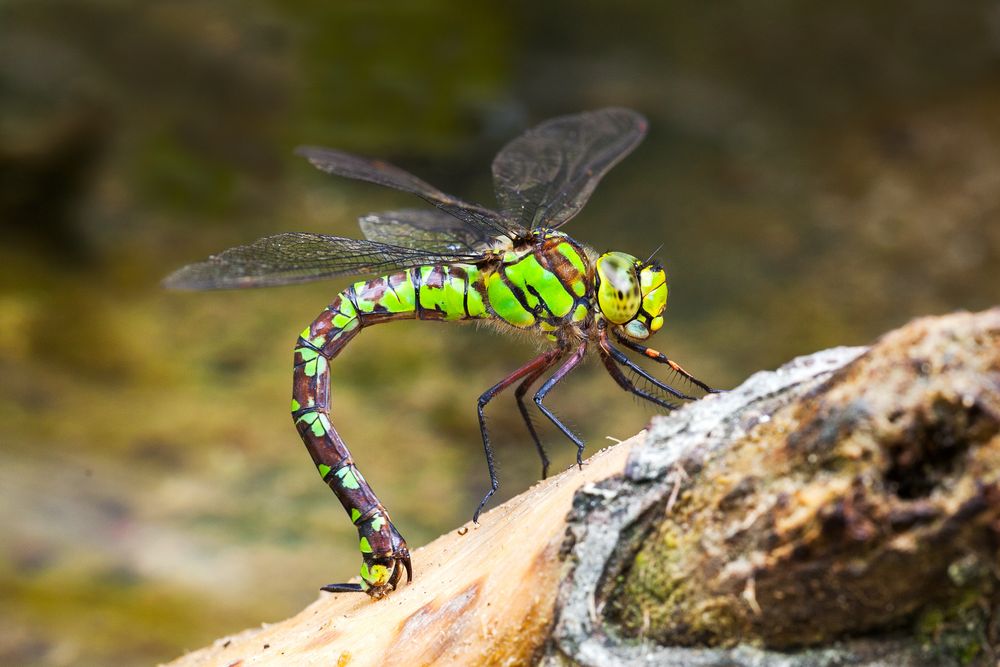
column 625, row 383
column 618, row 356
column 659, row 357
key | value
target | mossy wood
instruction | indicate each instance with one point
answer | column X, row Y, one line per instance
column 841, row 510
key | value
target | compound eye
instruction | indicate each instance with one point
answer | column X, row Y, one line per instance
column 653, row 283
column 618, row 294
column 636, row 329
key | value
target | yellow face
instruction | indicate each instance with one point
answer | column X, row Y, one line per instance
column 631, row 294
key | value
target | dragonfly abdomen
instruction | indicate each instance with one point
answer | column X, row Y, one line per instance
column 438, row 292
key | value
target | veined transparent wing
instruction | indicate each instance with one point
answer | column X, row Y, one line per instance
column 482, row 219
column 298, row 257
column 430, row 230
column 545, row 176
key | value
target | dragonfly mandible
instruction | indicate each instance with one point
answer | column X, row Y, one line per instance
column 461, row 262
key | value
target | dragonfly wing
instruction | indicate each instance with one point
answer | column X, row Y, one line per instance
column 298, row 257
column 424, row 229
column 545, row 176
column 359, row 168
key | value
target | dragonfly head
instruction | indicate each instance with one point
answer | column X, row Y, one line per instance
column 631, row 294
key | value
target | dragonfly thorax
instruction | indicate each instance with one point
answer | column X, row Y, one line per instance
column 630, row 293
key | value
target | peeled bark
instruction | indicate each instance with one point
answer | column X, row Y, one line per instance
column 843, row 509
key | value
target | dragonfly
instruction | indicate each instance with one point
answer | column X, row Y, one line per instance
column 457, row 261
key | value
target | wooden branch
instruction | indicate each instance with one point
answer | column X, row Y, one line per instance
column 482, row 593
column 844, row 509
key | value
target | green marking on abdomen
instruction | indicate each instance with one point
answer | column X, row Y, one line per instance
column 455, row 292
column 476, row 306
column 345, row 315
column 364, row 303
column 454, row 288
column 318, row 423
column 347, row 478
column 381, row 293
column 314, row 361
column 400, row 298
column 430, row 298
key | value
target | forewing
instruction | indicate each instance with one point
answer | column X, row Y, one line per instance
column 545, row 176
column 298, row 257
column 424, row 229
column 359, row 168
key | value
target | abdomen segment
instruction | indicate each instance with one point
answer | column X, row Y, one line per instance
column 430, row 292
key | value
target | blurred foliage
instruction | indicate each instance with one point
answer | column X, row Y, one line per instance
column 817, row 175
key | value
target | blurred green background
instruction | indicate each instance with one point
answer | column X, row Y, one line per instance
column 817, row 174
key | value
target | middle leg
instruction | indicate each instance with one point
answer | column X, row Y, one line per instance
column 533, row 368
column 571, row 363
column 519, row 394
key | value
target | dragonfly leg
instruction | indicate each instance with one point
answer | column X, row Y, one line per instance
column 519, row 394
column 619, row 356
column 625, row 383
column 571, row 363
column 659, row 357
column 531, row 369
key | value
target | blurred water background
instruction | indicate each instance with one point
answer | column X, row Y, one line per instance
column 817, row 174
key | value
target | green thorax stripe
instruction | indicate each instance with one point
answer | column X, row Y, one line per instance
column 540, row 284
column 523, row 290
